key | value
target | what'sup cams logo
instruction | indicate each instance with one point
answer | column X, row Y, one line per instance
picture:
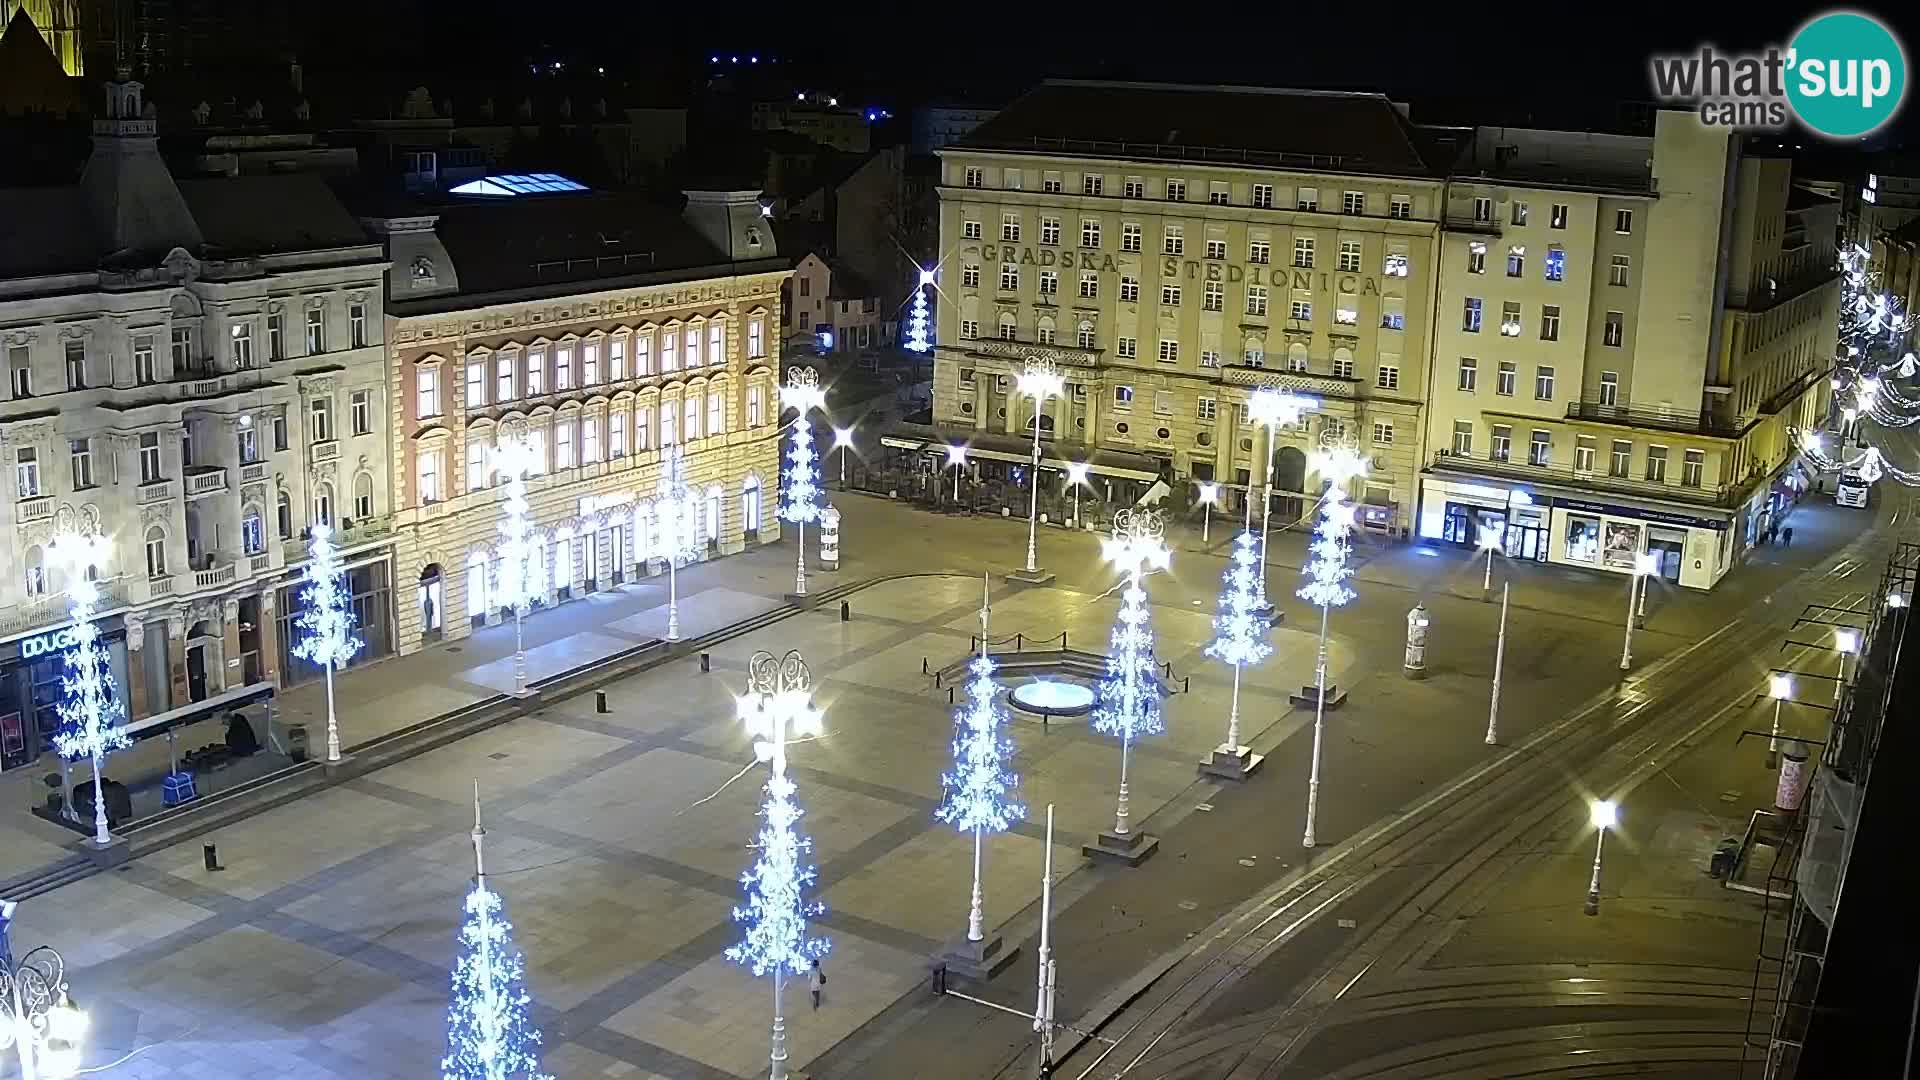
column 1844, row 75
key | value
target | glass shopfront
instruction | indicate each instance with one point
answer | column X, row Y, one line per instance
column 372, row 589
column 31, row 672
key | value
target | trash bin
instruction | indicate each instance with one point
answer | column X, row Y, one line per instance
column 1724, row 857
column 297, row 742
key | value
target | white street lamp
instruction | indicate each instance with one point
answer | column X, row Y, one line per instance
column 1604, row 815
column 1896, row 600
column 1272, row 409
column 1644, row 564
column 1338, row 464
column 37, row 1017
column 956, row 457
column 1130, row 704
column 1779, row 688
column 1040, row 380
column 93, row 718
column 843, row 442
column 515, row 457
column 1846, row 641
column 1499, row 661
column 1076, row 478
column 1490, row 542
column 1209, row 494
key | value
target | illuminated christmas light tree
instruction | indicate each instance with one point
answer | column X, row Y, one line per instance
column 1127, row 698
column 327, row 624
column 490, row 1030
column 93, row 721
column 980, row 788
column 515, row 457
column 802, row 496
column 676, row 528
column 1240, row 633
column 919, row 320
column 1338, row 463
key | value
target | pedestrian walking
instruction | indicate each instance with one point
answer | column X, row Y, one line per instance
column 1786, row 537
column 816, row 980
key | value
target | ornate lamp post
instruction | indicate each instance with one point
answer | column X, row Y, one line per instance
column 1490, row 542
column 1076, row 479
column 843, row 442
column 1272, row 409
column 1209, row 494
column 1644, row 563
column 1129, row 695
column 41, row 1022
column 1605, row 815
column 1337, row 463
column 514, row 458
column 1040, row 380
column 956, row 457
column 802, row 393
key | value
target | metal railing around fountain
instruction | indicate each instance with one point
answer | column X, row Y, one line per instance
column 1030, row 651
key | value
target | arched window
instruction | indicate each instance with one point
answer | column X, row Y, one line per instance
column 1043, row 333
column 253, row 530
column 713, row 514
column 283, row 513
column 1085, row 338
column 363, row 496
column 323, row 503
column 36, row 564
column 642, row 533
column 1343, row 363
column 1297, row 356
column 1008, row 329
column 156, row 552
column 750, row 503
column 1256, row 352
column 477, row 584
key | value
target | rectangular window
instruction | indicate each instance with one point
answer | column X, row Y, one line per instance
column 1049, row 283
column 1176, row 191
column 1256, row 299
column 643, row 354
column 1692, row 468
column 970, row 276
column 1134, row 188
column 1387, row 377
column 1540, row 449
column 26, row 472
column 536, row 372
column 81, row 451
column 1400, row 206
column 1170, row 295
column 1089, row 233
column 429, row 476
column 1129, row 237
column 1353, row 202
column 1510, row 318
column 1205, row 410
column 1397, row 263
column 1216, row 249
column 1346, row 310
column 589, row 440
column 589, row 363
column 76, row 355
column 1043, row 333
column 1476, row 257
column 280, row 431
column 1163, row 403
column 427, row 387
column 1300, row 310
column 1306, row 198
column 1463, row 438
column 1010, row 228
column 1615, row 329
column 360, row 410
column 1009, row 331
column 247, row 444
column 1519, row 213
column 476, row 464
column 316, row 331
column 240, row 345
column 1550, row 322
column 716, row 413
column 1173, row 240
column 1556, row 264
column 1609, row 388
column 1303, row 252
column 1343, row 367
column 641, row 428
column 504, row 365
column 969, row 230
column 319, row 420
column 1209, row 358
column 1505, row 378
column 617, row 355
column 1657, row 464
column 694, row 357
column 1470, row 318
column 1089, row 284
column 1263, row 196
column 1091, row 183
column 1543, row 383
column 1126, row 348
column 563, row 444
column 1214, row 297
column 669, row 352
column 1501, row 447
column 1123, row 397
column 1260, row 251
column 1050, row 231
column 1393, row 314
column 617, row 433
column 1621, row 460
column 1620, row 270
column 969, row 328
column 182, row 350
column 1623, row 221
column 1583, row 454
column 476, row 383
column 1516, row 261
column 149, row 457
column 1009, row 277
column 357, row 325
column 276, row 337
column 1218, row 194
column 1086, row 336
column 1558, row 220
column 145, row 371
column 756, row 339
column 1349, row 256
column 1169, row 351
column 1129, row 290
column 976, row 177
column 1382, row 433
column 1469, row 374
column 1482, row 209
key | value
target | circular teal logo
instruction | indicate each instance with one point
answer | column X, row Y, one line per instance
column 1846, row 74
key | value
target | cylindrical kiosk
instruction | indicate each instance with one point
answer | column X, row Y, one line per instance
column 1416, row 664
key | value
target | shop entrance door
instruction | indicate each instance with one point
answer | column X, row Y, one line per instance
column 1669, row 546
column 196, row 673
column 1526, row 540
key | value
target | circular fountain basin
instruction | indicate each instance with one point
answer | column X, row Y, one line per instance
column 1053, row 697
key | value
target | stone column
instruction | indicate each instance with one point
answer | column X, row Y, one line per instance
column 269, row 637
column 137, row 658
column 177, row 655
column 230, row 678
column 980, row 400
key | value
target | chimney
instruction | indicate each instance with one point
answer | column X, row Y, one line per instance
column 733, row 222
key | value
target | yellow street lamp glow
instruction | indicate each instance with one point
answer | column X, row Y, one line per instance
column 1847, row 641
column 1604, row 814
column 1780, row 686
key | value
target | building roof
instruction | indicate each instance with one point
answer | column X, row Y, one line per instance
column 264, row 215
column 1304, row 129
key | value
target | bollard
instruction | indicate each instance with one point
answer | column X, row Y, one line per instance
column 939, row 979
column 1186, row 684
column 949, row 695
column 936, row 680
column 923, row 667
column 706, row 662
column 846, row 611
column 600, row 701
column 211, row 856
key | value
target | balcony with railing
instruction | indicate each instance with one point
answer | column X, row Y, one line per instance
column 1298, row 382
column 327, row 450
column 1685, row 422
column 205, row 480
column 154, row 491
column 346, row 537
column 216, row 574
column 1517, row 468
column 28, row 511
column 253, row 472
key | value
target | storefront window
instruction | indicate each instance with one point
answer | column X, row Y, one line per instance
column 1622, row 544
column 1583, row 539
column 373, row 619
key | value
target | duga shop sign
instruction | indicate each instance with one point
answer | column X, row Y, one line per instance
column 52, row 641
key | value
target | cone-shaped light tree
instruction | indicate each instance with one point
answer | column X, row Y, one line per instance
column 93, row 721
column 919, row 320
column 490, row 1030
column 1239, row 630
column 1127, row 698
column 1338, row 463
column 802, row 393
column 774, row 918
column 327, row 624
column 676, row 528
column 980, row 789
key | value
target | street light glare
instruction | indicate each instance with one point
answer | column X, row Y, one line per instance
column 1489, row 538
column 1209, row 492
column 1847, row 641
column 843, row 436
column 1605, row 814
column 956, row 455
column 1779, row 686
column 1076, row 472
column 1896, row 600
column 1646, row 563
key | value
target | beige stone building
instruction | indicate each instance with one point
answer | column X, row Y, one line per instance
column 606, row 328
column 1172, row 248
column 1625, row 330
